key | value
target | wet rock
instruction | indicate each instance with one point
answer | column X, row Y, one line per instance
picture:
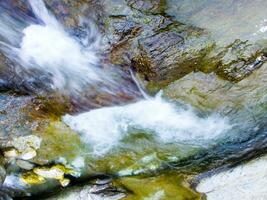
column 28, row 154
column 85, row 192
column 25, row 165
column 54, row 172
column 23, row 147
column 12, row 153
column 243, row 103
column 2, row 171
column 64, row 182
column 25, row 142
column 159, row 60
column 32, row 178
column 209, row 92
column 16, row 78
column 154, row 44
column 163, row 49
column 7, row 193
column 40, row 175
column 150, row 6
column 246, row 181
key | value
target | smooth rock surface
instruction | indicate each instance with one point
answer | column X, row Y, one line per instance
column 247, row 182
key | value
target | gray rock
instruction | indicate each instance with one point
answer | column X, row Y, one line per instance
column 104, row 192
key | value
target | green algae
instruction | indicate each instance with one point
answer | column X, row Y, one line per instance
column 167, row 186
column 58, row 141
column 140, row 153
column 32, row 178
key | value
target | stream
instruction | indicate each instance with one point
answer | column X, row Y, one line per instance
column 86, row 114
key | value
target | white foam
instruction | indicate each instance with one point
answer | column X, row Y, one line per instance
column 78, row 163
column 245, row 182
column 104, row 128
column 49, row 48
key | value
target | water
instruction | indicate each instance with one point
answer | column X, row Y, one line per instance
column 75, row 65
column 49, row 48
column 103, row 128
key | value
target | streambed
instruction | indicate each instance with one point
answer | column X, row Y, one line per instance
column 84, row 114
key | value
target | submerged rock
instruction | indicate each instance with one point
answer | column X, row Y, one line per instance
column 167, row 186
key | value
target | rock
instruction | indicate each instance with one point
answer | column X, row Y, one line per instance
column 53, row 173
column 2, row 171
column 32, row 178
column 242, row 103
column 23, row 147
column 159, row 60
column 246, row 181
column 26, row 142
column 14, row 77
column 208, row 92
column 64, row 182
column 155, row 45
column 25, row 165
column 150, row 6
column 12, row 153
column 40, row 175
column 163, row 49
column 27, row 154
column 17, row 119
column 84, row 192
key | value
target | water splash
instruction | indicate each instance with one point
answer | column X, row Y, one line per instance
column 104, row 128
column 48, row 47
column 72, row 64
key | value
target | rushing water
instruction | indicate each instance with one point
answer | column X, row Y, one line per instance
column 49, row 48
column 155, row 115
column 42, row 43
